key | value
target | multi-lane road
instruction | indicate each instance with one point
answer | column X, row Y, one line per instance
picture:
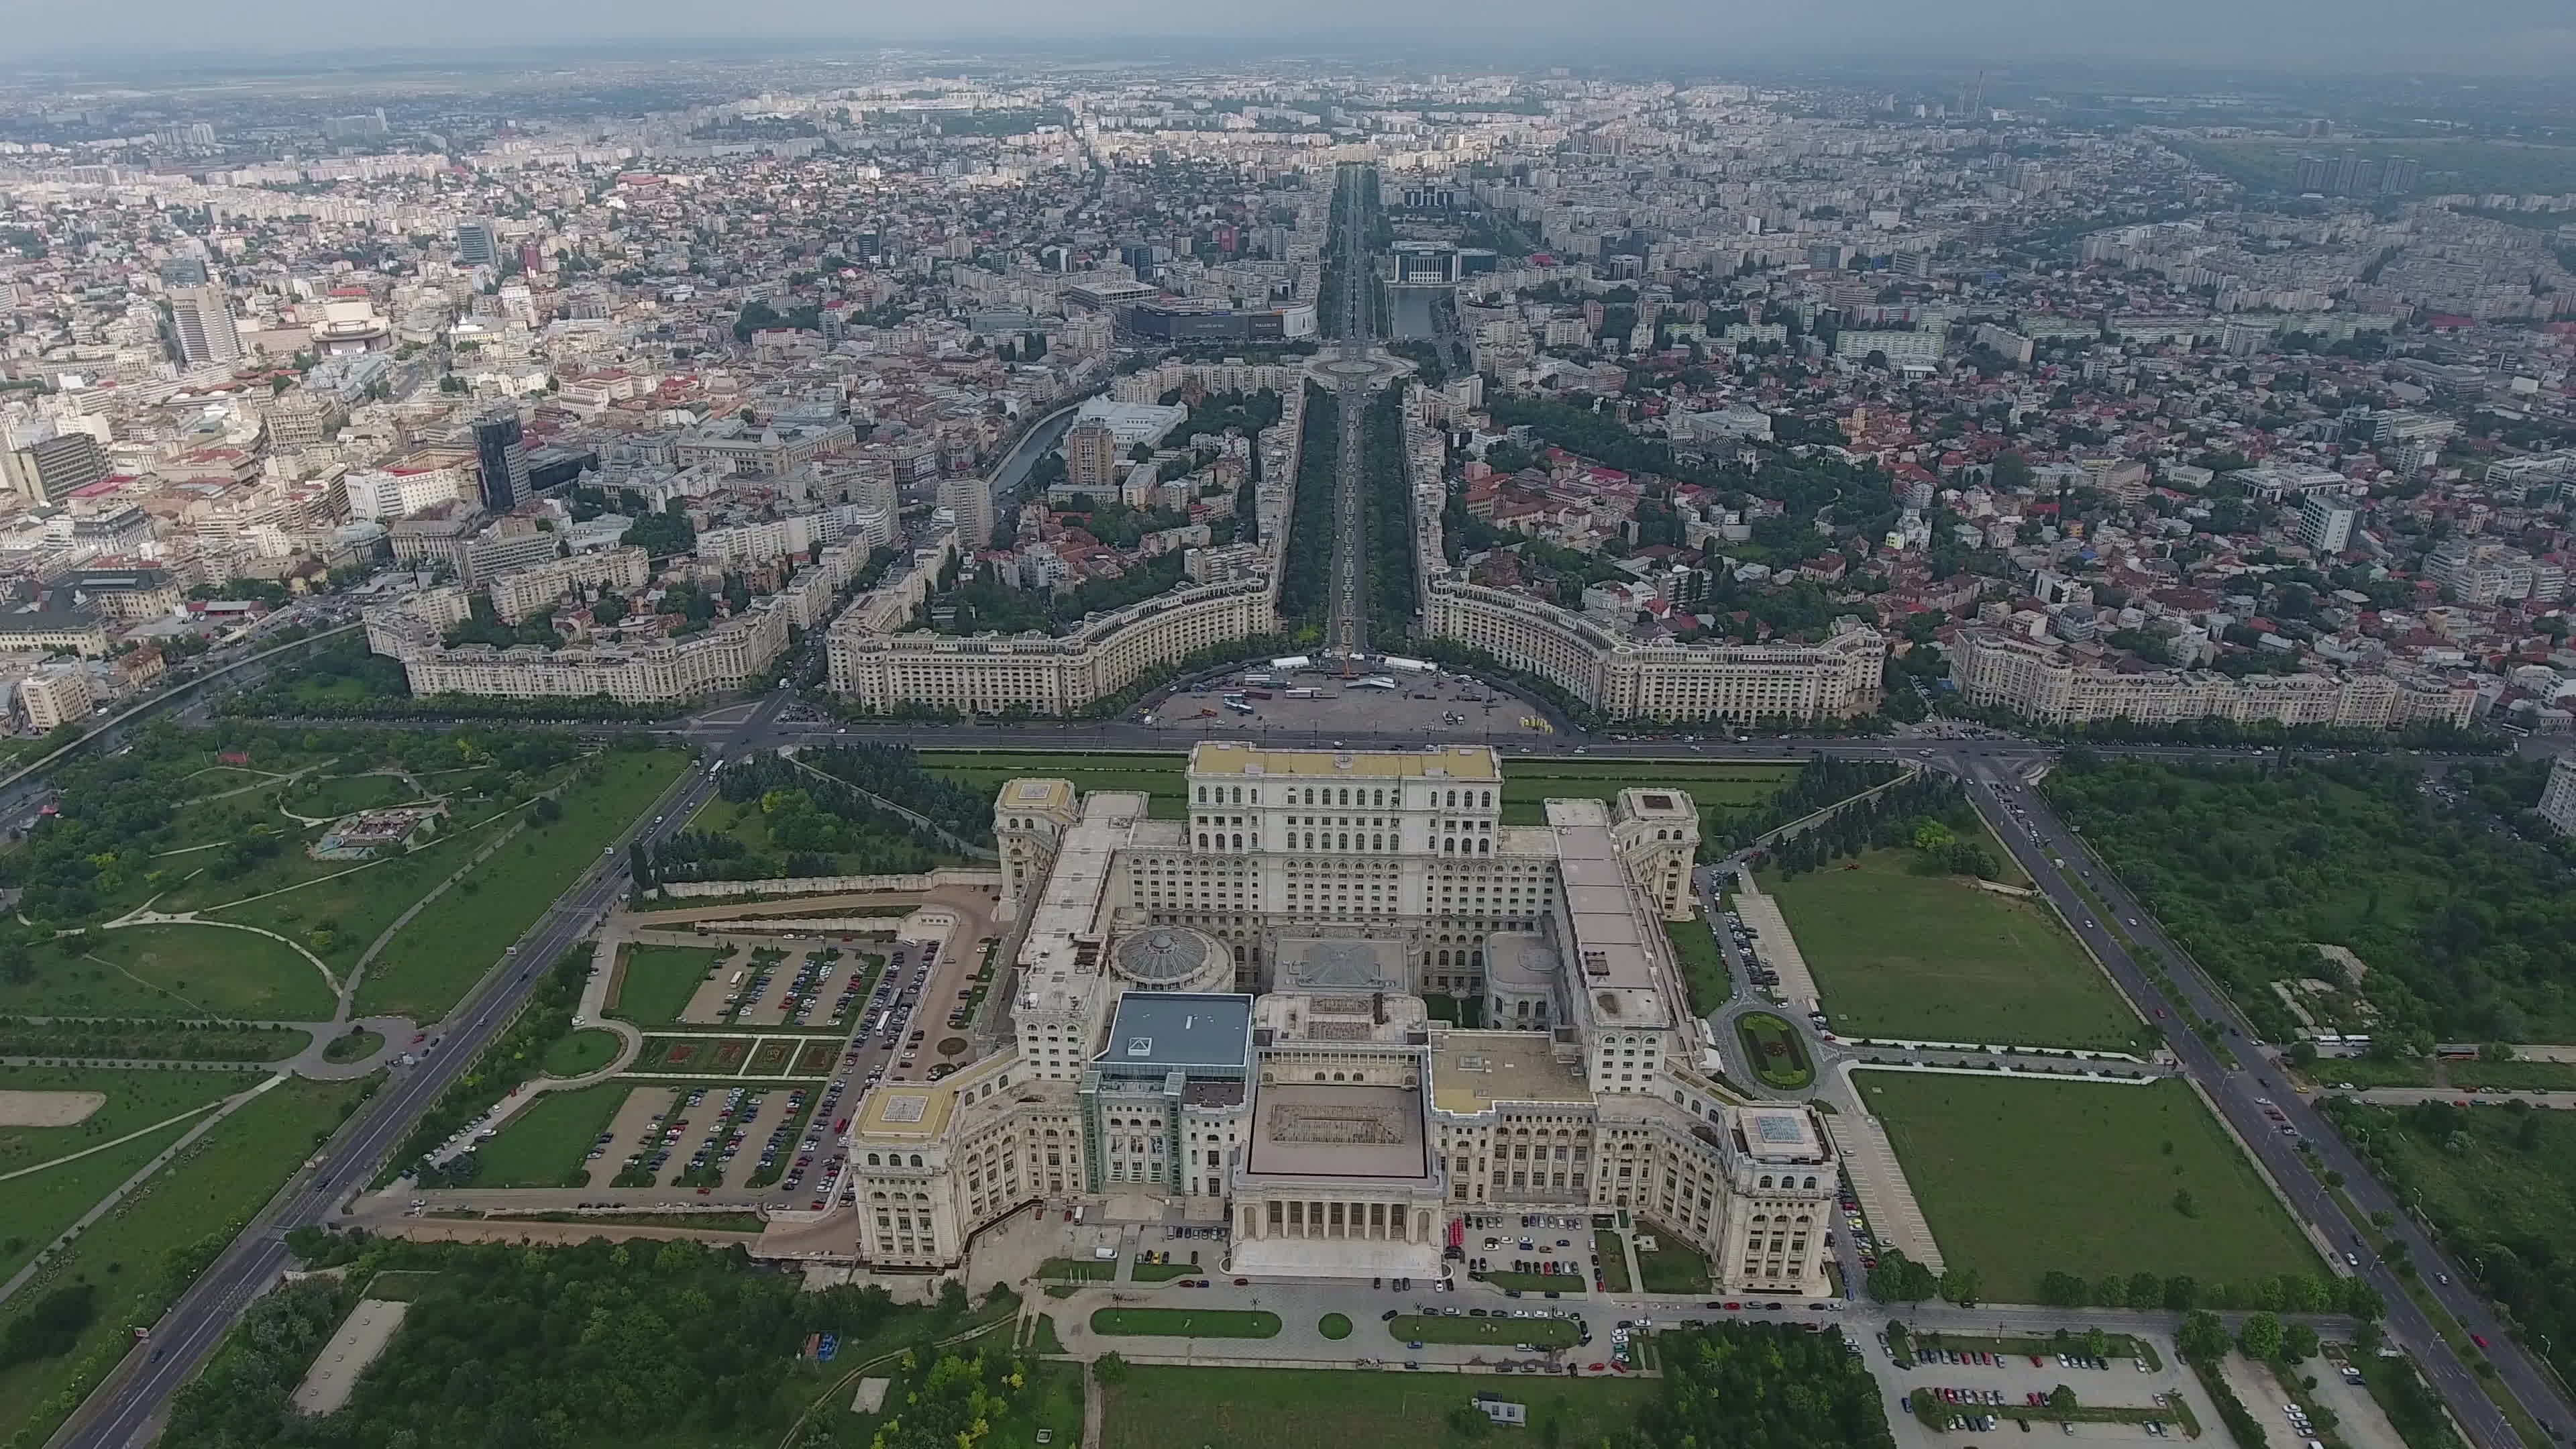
column 125, row 1409
column 2243, row 1083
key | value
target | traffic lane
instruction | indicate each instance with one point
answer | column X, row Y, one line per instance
column 2238, row 1101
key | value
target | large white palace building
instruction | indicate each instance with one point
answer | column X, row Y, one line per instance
column 1222, row 1018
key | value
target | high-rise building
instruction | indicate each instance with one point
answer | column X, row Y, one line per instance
column 55, row 696
column 355, row 128
column 970, row 500
column 203, row 323
column 184, row 271
column 49, row 468
column 503, row 454
column 476, row 244
column 2400, row 175
column 1091, row 457
column 2325, row 522
column 2558, row 798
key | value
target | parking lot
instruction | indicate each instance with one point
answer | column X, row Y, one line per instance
column 626, row 1131
column 2012, row 1378
column 1434, row 706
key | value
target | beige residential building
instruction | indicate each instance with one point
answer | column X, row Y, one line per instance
column 56, row 696
column 518, row 595
column 2046, row 683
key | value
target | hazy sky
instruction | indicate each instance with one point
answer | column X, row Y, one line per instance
column 2522, row 36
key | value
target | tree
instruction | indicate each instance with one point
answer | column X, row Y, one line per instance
column 2184, row 1204
column 2181, row 1293
column 2061, row 1290
column 2298, row 1341
column 2146, row 1290
column 2202, row 1335
column 2261, row 1337
column 1959, row 1285
column 2062, row 1399
column 2097, row 1344
column 1109, row 1368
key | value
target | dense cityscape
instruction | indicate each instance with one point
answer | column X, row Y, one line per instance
column 907, row 749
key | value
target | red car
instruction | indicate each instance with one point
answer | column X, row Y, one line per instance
column 1242, row 1282
column 2479, row 1339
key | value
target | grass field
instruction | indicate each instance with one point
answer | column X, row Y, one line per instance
column 1537, row 1332
column 1335, row 1326
column 2519, row 1076
column 1671, row 1268
column 709, row 1055
column 1612, row 1261
column 1719, row 790
column 545, row 1144
column 173, row 971
column 447, row 947
column 1703, row 967
column 654, row 983
column 1186, row 1322
column 37, row 1207
column 1937, row 958
column 580, row 1053
column 195, row 1204
column 337, row 907
column 1170, row 1407
column 2021, row 1178
column 1772, row 1048
column 1541, row 1283
column 1160, row 776
column 134, row 1100
column 345, row 794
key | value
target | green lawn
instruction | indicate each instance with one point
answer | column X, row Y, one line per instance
column 1672, row 1268
column 1186, row 1322
column 437, row 958
column 1613, row 1261
column 338, row 907
column 654, row 983
column 2018, row 1178
column 135, row 1099
column 1537, row 1332
column 1541, row 1283
column 1937, row 958
column 203, row 971
column 1201, row 1407
column 580, row 1053
column 1719, row 790
column 196, row 1204
column 1160, row 776
column 1773, row 1050
column 1335, row 1326
column 345, row 794
column 2519, row 1076
column 1703, row 967
column 545, row 1145
column 37, row 1207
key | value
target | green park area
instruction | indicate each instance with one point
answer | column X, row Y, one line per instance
column 1502, row 1332
column 548, row 1142
column 1160, row 776
column 141, row 1255
column 654, row 983
column 1897, row 953
column 58, row 1173
column 439, row 954
column 580, row 1053
column 172, row 971
column 1775, row 1052
column 1186, row 1322
column 1703, row 966
column 2498, row 1183
column 2020, row 1177
column 1173, row 1407
column 1669, row 1267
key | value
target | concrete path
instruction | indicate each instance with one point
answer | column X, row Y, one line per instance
column 110, row 1201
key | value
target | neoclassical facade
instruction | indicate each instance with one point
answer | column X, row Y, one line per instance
column 1223, row 1017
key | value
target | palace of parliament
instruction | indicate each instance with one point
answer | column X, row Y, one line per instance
column 1223, row 1019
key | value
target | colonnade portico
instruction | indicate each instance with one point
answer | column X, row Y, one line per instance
column 1377, row 1220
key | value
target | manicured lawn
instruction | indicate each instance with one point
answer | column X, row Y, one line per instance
column 544, row 1146
column 2519, row 1076
column 1186, row 1322
column 173, row 971
column 1672, row 1268
column 35, row 1208
column 353, row 1045
column 1936, row 958
column 2021, row 1178
column 1537, row 1332
column 580, row 1053
column 1773, row 1050
column 135, row 1099
column 437, row 958
column 1334, row 1326
column 1718, row 790
column 198, row 1204
column 345, row 794
column 1159, row 776
column 1076, row 1270
column 2369, row 1072
column 654, row 983
column 337, row 908
column 1171, row 1407
column 1703, row 967
column 710, row 1055
column 1539, row 1283
column 1612, row 1260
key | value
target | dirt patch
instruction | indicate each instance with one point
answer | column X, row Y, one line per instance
column 48, row 1109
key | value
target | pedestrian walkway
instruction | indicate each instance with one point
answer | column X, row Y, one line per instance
column 1886, row 1198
